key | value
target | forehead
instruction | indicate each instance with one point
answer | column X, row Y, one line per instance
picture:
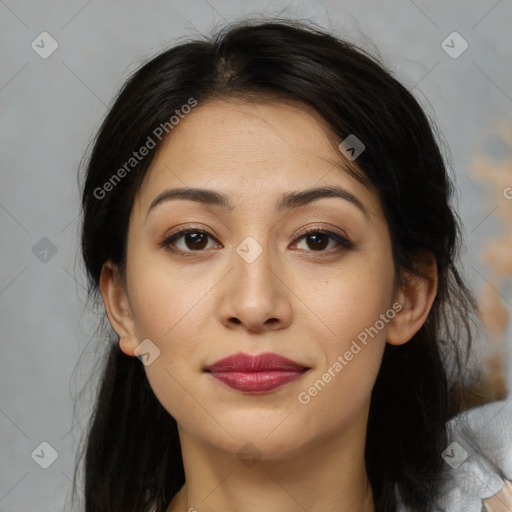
column 268, row 125
column 252, row 151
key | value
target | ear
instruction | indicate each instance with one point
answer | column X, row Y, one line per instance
column 416, row 296
column 118, row 308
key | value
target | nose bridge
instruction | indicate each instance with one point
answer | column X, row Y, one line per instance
column 254, row 295
column 252, row 262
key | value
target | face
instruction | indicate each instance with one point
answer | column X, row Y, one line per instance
column 311, row 281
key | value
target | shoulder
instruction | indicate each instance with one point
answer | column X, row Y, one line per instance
column 478, row 458
column 478, row 461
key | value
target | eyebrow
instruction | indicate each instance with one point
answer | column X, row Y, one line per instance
column 287, row 201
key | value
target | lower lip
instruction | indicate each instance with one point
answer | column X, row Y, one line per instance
column 257, row 382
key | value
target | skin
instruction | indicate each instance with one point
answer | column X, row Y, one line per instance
column 296, row 300
column 501, row 501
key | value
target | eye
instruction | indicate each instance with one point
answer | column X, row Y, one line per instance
column 193, row 239
column 196, row 240
column 320, row 238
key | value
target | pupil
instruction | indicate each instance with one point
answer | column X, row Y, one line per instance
column 194, row 237
column 316, row 244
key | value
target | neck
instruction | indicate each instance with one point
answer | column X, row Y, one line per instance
column 329, row 476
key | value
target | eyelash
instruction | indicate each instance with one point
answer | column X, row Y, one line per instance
column 344, row 244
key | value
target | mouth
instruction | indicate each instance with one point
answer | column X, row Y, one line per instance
column 256, row 374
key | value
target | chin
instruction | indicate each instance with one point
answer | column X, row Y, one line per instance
column 262, row 446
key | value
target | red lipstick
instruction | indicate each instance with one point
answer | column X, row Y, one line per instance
column 256, row 374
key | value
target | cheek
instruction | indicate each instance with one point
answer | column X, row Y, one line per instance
column 168, row 307
column 356, row 298
column 353, row 345
column 339, row 388
column 163, row 307
column 164, row 298
column 357, row 308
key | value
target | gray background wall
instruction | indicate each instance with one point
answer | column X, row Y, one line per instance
column 50, row 108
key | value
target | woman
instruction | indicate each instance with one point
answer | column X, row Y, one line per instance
column 266, row 216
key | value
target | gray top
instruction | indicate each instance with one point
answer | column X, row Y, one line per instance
column 479, row 457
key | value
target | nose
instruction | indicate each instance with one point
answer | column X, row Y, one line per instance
column 254, row 295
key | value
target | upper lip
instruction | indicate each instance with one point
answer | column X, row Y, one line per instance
column 258, row 363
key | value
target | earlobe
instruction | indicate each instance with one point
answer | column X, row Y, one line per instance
column 416, row 297
column 118, row 307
